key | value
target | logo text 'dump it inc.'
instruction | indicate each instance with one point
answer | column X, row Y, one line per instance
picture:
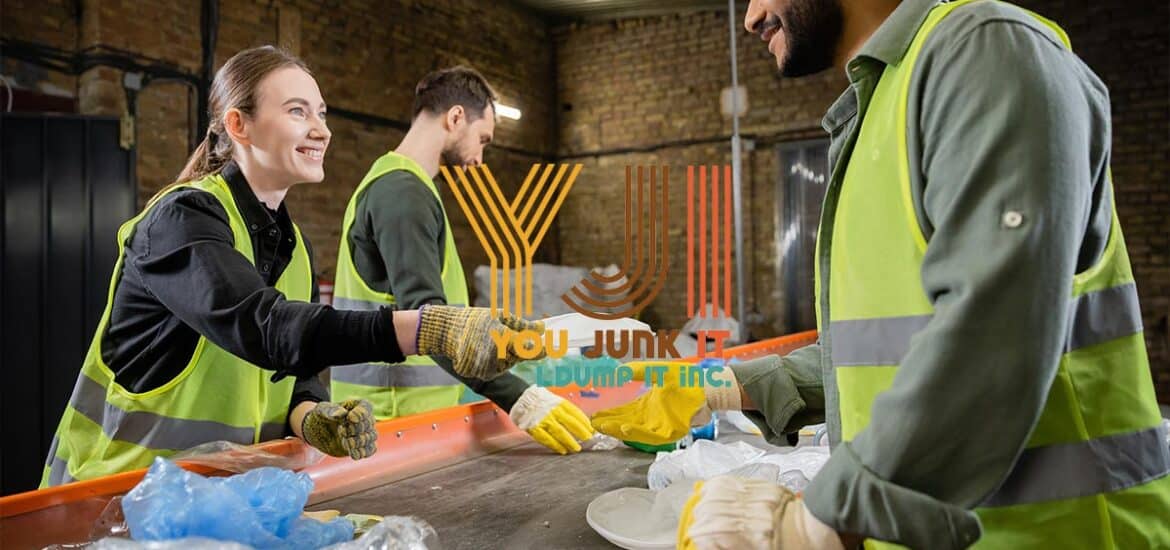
column 631, row 344
column 612, row 376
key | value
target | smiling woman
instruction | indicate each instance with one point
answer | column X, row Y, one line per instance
column 212, row 287
column 267, row 114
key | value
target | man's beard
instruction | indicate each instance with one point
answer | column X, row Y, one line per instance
column 452, row 157
column 812, row 29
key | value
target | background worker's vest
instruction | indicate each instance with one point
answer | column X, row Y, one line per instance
column 1094, row 472
column 417, row 385
column 108, row 429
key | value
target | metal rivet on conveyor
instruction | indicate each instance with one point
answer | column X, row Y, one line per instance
column 466, row 419
column 434, row 426
column 571, row 395
column 398, row 434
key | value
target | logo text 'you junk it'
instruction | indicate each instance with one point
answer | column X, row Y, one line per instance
column 511, row 231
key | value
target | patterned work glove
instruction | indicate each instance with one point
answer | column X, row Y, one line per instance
column 750, row 514
column 342, row 429
column 464, row 335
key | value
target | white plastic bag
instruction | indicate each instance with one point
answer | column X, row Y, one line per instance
column 807, row 460
column 394, row 533
column 707, row 459
column 702, row 460
column 193, row 543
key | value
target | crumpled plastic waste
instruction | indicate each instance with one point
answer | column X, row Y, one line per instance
column 601, row 442
column 192, row 543
column 393, row 533
column 706, row 459
column 261, row 508
column 233, row 457
column 376, row 533
column 112, row 523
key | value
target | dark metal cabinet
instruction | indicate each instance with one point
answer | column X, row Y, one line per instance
column 67, row 186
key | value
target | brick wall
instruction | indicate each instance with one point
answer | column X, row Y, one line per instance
column 360, row 65
column 48, row 22
column 647, row 82
column 651, row 82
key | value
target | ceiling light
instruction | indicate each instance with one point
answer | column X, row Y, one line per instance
column 507, row 111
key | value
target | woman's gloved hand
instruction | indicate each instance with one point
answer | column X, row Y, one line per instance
column 341, row 429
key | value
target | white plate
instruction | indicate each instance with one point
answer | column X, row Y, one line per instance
column 610, row 515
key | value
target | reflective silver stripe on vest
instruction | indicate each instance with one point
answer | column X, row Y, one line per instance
column 58, row 469
column 59, row 472
column 154, row 431
column 1072, row 470
column 53, row 449
column 354, row 304
column 883, row 341
column 1104, row 315
column 383, row 375
column 1095, row 317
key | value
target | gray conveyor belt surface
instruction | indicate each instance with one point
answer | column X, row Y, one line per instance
column 524, row 497
column 503, row 500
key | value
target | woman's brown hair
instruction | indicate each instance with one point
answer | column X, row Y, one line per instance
column 235, row 87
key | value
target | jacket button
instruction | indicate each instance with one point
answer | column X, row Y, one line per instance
column 264, row 268
column 1012, row 219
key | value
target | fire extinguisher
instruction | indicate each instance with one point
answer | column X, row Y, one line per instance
column 325, row 291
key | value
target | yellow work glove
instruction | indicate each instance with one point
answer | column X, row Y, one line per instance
column 728, row 512
column 463, row 334
column 341, row 429
column 666, row 412
column 551, row 420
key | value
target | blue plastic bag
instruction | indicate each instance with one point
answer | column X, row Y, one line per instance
column 261, row 508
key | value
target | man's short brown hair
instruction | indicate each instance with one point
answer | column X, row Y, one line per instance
column 461, row 85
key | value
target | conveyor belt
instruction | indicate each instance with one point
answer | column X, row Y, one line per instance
column 524, row 497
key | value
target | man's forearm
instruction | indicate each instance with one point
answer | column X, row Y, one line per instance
column 504, row 391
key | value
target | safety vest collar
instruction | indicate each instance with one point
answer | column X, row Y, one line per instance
column 892, row 39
